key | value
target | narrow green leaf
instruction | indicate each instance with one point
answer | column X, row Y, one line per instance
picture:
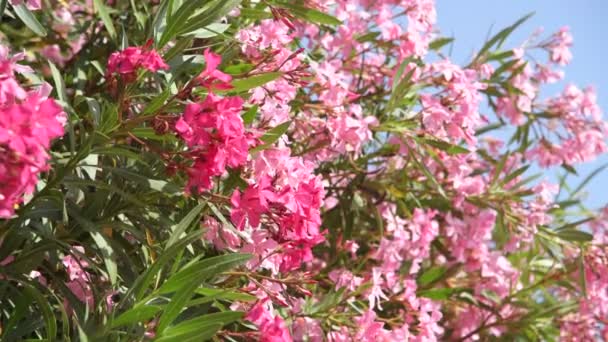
column 574, row 235
column 499, row 167
column 309, row 14
column 107, row 252
column 59, row 83
column 28, row 18
column 178, row 302
column 238, row 69
column 368, row 37
column 2, row 8
column 514, row 175
column 244, row 84
column 202, row 332
column 203, row 270
column 581, row 273
column 149, row 133
column 256, row 14
column 184, row 224
column 249, row 116
column 438, row 43
column 271, row 136
column 445, row 146
column 209, row 31
column 569, row 169
column 142, row 283
column 501, row 36
column 226, row 294
column 318, row 17
column 102, row 10
column 137, row 314
column 587, row 179
column 440, row 293
column 197, row 325
column 50, row 321
column 431, row 275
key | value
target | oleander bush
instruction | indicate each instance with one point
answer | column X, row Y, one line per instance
column 306, row 170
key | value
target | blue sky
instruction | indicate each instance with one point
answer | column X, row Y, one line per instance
column 469, row 22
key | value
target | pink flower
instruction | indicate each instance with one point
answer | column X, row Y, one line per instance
column 128, row 61
column 215, row 134
column 26, row 131
column 272, row 329
column 79, row 279
column 369, row 330
column 211, row 77
column 307, row 329
column 32, row 5
column 559, row 47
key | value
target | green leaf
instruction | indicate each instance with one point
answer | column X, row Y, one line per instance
column 206, row 18
column 202, row 270
column 255, row 14
column 244, row 84
column 396, row 126
column 574, row 235
column 107, row 252
column 193, row 15
column 226, row 294
column 514, row 175
column 271, row 136
column 431, row 275
column 309, row 14
column 500, row 165
column 249, row 116
column 200, row 325
column 499, row 38
column 3, row 4
column 59, row 84
column 149, row 133
column 157, row 102
column 440, row 293
column 50, row 321
column 402, row 91
column 317, row 17
column 445, row 146
column 184, row 224
column 178, row 302
column 582, row 273
column 209, row 31
column 587, row 179
column 29, row 19
column 440, row 42
column 137, row 314
column 368, row 37
column 102, row 10
column 108, row 255
column 238, row 69
column 202, row 332
column 144, row 280
column 569, row 169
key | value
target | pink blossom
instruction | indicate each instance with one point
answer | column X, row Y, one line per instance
column 272, row 328
column 128, row 61
column 26, row 132
column 559, row 47
column 211, row 77
column 32, row 5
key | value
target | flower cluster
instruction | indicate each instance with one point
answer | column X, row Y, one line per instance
column 30, row 122
column 129, row 61
column 216, row 137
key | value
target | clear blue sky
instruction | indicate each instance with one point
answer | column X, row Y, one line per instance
column 469, row 21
